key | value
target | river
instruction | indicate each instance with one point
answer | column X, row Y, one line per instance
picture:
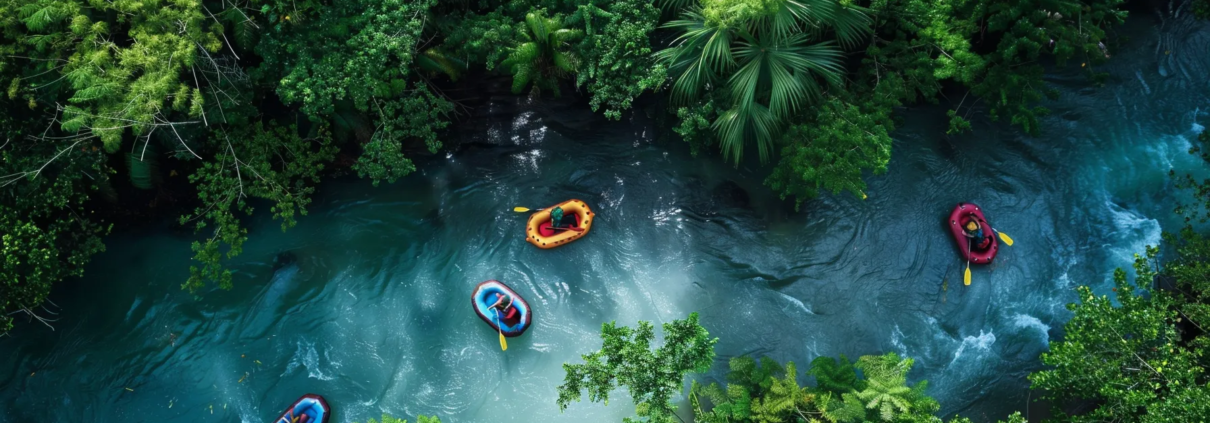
column 365, row 301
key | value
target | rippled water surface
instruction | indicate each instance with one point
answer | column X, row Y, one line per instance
column 365, row 301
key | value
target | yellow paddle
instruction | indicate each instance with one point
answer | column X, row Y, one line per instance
column 524, row 210
column 966, row 277
column 503, row 343
column 1007, row 241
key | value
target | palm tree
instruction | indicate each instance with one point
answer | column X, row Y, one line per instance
column 886, row 386
column 765, row 60
column 545, row 56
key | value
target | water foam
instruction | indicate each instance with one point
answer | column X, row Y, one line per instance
column 1025, row 321
column 979, row 344
column 307, row 356
column 1135, row 229
column 897, row 340
column 797, row 302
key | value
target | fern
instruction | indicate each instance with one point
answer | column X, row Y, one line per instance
column 38, row 18
column 833, row 376
column 94, row 92
column 74, row 119
column 783, row 398
column 757, row 378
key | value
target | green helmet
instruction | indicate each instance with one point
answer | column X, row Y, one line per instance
column 556, row 216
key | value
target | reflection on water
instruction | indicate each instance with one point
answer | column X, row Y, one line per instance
column 370, row 309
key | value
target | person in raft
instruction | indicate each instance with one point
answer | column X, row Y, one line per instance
column 500, row 302
column 507, row 311
column 556, row 219
column 301, row 418
column 975, row 232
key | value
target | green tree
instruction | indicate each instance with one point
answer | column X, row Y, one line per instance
column 887, row 394
column 272, row 163
column 1190, row 270
column 545, row 54
column 1132, row 358
column 1199, row 209
column 765, row 57
column 618, row 64
column 768, row 393
column 764, row 393
column 832, row 150
column 110, row 88
column 352, row 51
column 47, row 232
column 653, row 377
column 835, row 376
column 345, row 60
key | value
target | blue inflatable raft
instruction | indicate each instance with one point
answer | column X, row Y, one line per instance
column 310, row 408
column 512, row 322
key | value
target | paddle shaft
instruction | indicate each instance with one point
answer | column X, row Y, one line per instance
column 503, row 343
column 1007, row 240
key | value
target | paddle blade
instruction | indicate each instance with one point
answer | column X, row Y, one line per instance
column 966, row 277
column 1007, row 241
column 503, row 343
column 520, row 209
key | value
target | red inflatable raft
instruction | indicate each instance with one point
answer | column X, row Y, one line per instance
column 962, row 214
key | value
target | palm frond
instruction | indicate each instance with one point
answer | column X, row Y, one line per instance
column 821, row 59
column 525, row 53
column 712, row 43
column 698, row 54
column 787, row 91
column 850, row 22
column 672, row 5
column 566, row 35
column 744, row 84
column 783, row 23
column 565, row 61
column 433, row 60
column 689, row 84
column 537, row 26
column 716, row 53
column 745, row 121
column 522, row 74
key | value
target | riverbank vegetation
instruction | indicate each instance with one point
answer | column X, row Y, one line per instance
column 1140, row 357
column 391, row 419
column 874, row 389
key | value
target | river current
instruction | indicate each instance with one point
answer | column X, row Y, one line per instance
column 365, row 301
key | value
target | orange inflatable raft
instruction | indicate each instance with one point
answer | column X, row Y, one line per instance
column 539, row 232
